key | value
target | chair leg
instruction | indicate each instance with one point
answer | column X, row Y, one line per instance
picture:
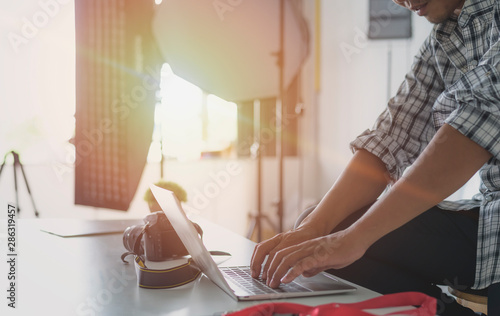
column 476, row 307
column 477, row 303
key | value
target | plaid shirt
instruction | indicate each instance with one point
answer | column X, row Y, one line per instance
column 455, row 79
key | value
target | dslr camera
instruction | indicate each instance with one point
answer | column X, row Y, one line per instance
column 156, row 239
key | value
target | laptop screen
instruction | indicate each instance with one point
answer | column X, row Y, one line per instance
column 189, row 236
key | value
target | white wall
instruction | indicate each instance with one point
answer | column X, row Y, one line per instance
column 354, row 79
column 37, row 62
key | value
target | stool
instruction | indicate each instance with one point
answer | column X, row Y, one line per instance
column 477, row 300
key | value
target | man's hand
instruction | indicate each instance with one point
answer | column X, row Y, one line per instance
column 365, row 172
column 279, row 242
column 313, row 256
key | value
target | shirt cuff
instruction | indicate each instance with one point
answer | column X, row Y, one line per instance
column 479, row 125
column 384, row 147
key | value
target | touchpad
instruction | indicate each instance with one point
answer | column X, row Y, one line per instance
column 321, row 282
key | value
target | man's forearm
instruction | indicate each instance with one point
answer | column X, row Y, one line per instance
column 361, row 183
column 449, row 161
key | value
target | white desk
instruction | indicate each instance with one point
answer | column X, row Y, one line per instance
column 85, row 276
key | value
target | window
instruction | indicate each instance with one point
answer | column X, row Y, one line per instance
column 189, row 123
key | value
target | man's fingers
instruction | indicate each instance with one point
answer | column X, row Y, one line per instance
column 291, row 275
column 282, row 262
column 277, row 244
column 275, row 266
column 274, row 257
column 312, row 272
column 308, row 258
column 260, row 252
column 265, row 269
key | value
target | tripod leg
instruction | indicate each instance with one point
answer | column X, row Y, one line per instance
column 15, row 185
column 3, row 164
column 27, row 186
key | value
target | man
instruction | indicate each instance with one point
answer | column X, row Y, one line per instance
column 444, row 122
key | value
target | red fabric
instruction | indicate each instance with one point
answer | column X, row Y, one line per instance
column 425, row 306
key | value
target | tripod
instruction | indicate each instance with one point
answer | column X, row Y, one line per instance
column 256, row 153
column 17, row 163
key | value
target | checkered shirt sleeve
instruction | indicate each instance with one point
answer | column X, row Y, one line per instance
column 403, row 130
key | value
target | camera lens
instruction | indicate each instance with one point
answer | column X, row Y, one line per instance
column 132, row 239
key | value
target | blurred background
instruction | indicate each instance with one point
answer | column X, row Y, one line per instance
column 102, row 98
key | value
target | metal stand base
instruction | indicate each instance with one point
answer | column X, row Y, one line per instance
column 17, row 164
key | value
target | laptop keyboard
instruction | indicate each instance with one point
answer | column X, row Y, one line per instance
column 243, row 277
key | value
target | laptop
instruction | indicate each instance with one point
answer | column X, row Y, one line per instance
column 237, row 282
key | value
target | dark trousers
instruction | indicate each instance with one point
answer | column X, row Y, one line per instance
column 436, row 248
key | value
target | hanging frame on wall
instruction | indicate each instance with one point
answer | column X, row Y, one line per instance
column 388, row 20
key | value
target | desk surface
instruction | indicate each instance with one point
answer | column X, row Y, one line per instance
column 85, row 276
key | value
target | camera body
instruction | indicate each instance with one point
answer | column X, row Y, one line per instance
column 160, row 239
column 156, row 239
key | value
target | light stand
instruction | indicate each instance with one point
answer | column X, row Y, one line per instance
column 280, row 112
column 256, row 222
column 256, row 153
column 17, row 163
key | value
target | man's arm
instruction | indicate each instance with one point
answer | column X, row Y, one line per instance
column 447, row 164
column 444, row 166
column 360, row 184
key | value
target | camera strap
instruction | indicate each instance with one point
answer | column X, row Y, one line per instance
column 166, row 278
